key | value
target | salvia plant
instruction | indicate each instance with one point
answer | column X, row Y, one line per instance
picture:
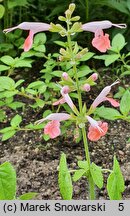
column 78, row 113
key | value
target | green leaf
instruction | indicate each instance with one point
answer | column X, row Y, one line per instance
column 2, row 11
column 111, row 58
column 15, row 105
column 83, row 71
column 6, row 83
column 78, row 174
column 8, row 134
column 40, row 102
column 64, row 179
column 57, row 73
column 16, row 120
column 4, row 67
column 60, row 43
column 83, row 165
column 9, row 94
column 40, row 48
column 23, row 63
column 97, row 176
column 107, row 113
column 87, row 56
column 28, row 196
column 4, row 130
column 115, row 182
column 40, row 39
column 121, row 42
column 7, row 182
column 35, row 84
column 19, row 82
column 7, row 60
column 125, row 103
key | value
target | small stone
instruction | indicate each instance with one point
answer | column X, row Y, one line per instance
column 121, row 153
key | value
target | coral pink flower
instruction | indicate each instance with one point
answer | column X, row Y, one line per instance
column 100, row 41
column 60, row 101
column 94, row 76
column 86, row 87
column 94, row 134
column 28, row 42
column 33, row 28
column 52, row 129
column 97, row 129
column 102, row 97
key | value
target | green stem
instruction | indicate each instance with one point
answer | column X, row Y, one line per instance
column 90, row 180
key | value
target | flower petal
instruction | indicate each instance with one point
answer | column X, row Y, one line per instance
column 101, row 43
column 52, row 129
column 28, row 42
column 113, row 102
column 55, row 116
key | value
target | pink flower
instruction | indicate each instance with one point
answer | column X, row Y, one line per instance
column 86, row 87
column 102, row 97
column 33, row 28
column 60, row 101
column 52, row 129
column 94, row 76
column 65, row 76
column 97, row 129
column 101, row 41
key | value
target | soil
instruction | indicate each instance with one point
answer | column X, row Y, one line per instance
column 36, row 161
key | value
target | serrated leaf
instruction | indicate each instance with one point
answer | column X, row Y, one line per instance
column 39, row 39
column 19, row 82
column 57, row 73
column 40, row 48
column 28, row 196
column 35, row 84
column 83, row 71
column 64, row 179
column 111, row 58
column 4, row 67
column 6, row 83
column 83, row 165
column 125, row 103
column 15, row 105
column 7, row 60
column 8, row 134
column 87, row 56
column 117, row 46
column 107, row 113
column 78, row 174
column 16, row 120
column 7, row 182
column 40, row 102
column 97, row 176
column 115, row 182
column 4, row 130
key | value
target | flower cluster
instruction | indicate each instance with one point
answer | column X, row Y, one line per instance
column 97, row 129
